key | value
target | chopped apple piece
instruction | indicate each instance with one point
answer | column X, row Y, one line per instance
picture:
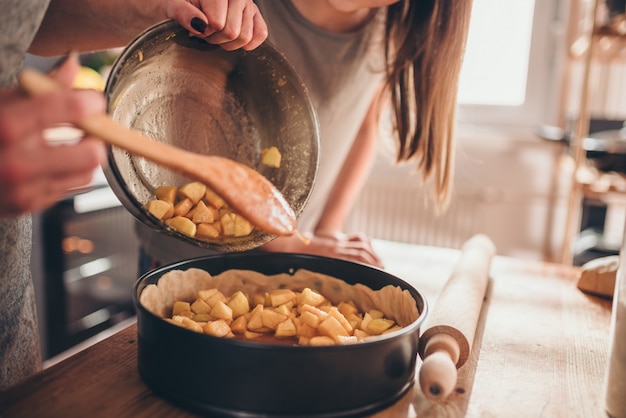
column 222, row 311
column 351, row 339
column 310, row 297
column 271, row 157
column 214, row 199
column 228, row 225
column 360, row 334
column 207, row 231
column 214, row 298
column 281, row 296
column 376, row 314
column 189, row 324
column 167, row 193
column 259, row 299
column 218, row 328
column 321, row 340
column 392, row 329
column 203, row 317
column 251, row 335
column 271, row 318
column 332, row 328
column 199, row 306
column 379, row 325
column 176, row 320
column 355, row 320
column 239, row 325
column 160, row 209
column 218, row 226
column 193, row 191
column 307, row 331
column 255, row 320
column 182, row 225
column 183, row 207
column 239, row 304
column 315, row 311
column 347, row 308
column 310, row 319
column 202, row 214
column 180, row 306
column 264, row 330
column 334, row 312
column 242, row 226
column 365, row 322
column 283, row 309
column 285, row 329
column 206, row 294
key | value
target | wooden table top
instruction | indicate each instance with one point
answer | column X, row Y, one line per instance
column 539, row 351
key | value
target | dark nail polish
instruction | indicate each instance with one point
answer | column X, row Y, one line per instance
column 63, row 59
column 198, row 24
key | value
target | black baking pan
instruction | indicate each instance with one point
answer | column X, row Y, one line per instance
column 236, row 378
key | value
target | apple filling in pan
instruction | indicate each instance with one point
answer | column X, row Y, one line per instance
column 305, row 308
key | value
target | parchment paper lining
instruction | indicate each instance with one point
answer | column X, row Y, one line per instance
column 395, row 303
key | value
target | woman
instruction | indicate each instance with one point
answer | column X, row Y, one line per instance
column 34, row 175
column 357, row 57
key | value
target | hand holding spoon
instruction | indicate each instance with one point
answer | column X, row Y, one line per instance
column 244, row 189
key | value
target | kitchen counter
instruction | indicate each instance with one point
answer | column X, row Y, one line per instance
column 540, row 350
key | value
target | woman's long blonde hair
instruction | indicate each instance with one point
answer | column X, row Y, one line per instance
column 425, row 43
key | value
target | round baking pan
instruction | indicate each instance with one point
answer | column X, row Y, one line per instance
column 237, row 378
column 183, row 91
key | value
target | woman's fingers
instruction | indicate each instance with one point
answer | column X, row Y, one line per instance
column 252, row 31
column 232, row 24
column 25, row 117
column 65, row 72
column 33, row 173
column 34, row 178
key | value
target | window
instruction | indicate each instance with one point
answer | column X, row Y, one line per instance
column 500, row 34
column 507, row 75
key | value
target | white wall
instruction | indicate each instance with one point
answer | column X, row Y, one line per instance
column 512, row 187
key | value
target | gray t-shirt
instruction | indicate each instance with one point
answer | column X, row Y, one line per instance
column 19, row 339
column 342, row 73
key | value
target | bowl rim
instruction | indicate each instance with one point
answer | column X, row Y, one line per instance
column 119, row 186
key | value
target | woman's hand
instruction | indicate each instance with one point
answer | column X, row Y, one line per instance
column 355, row 247
column 231, row 24
column 33, row 174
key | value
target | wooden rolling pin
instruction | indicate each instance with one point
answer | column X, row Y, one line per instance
column 448, row 332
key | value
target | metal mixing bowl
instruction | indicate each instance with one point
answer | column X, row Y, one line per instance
column 238, row 378
column 181, row 90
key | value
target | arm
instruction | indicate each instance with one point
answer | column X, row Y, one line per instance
column 327, row 239
column 87, row 25
column 353, row 174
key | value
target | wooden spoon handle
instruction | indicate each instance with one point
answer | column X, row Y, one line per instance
column 246, row 190
column 110, row 131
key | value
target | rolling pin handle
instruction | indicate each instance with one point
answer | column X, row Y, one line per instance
column 438, row 373
column 438, row 376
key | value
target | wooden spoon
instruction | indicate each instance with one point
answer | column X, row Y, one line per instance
column 244, row 189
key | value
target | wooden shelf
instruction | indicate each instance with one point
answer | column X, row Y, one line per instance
column 591, row 42
column 607, row 187
column 609, row 44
